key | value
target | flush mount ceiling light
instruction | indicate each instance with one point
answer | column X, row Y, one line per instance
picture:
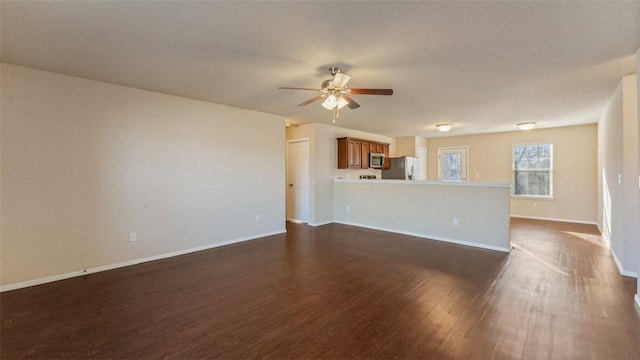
column 526, row 125
column 444, row 127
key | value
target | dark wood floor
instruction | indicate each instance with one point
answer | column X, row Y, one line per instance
column 337, row 292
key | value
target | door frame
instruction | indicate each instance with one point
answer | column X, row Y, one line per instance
column 288, row 204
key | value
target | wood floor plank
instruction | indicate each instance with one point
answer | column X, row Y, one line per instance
column 338, row 291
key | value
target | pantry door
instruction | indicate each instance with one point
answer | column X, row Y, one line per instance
column 298, row 180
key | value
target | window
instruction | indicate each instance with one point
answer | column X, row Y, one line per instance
column 533, row 170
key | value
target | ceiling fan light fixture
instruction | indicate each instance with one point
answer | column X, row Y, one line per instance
column 444, row 127
column 342, row 102
column 340, row 80
column 526, row 125
column 330, row 102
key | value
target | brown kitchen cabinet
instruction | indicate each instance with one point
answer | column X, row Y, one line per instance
column 365, row 155
column 354, row 153
column 349, row 153
column 385, row 150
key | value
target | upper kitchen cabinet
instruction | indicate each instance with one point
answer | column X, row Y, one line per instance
column 349, row 153
column 354, row 153
column 385, row 150
column 365, row 155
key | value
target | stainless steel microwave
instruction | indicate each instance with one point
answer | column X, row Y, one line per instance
column 376, row 160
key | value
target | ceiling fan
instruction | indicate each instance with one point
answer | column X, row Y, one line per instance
column 336, row 93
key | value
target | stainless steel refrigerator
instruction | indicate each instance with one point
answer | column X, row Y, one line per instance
column 402, row 168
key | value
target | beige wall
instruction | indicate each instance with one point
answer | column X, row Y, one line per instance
column 324, row 164
column 408, row 145
column 618, row 175
column 574, row 176
column 85, row 163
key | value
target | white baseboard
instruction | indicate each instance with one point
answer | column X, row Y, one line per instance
column 430, row 237
column 637, row 299
column 52, row 278
column 555, row 219
column 623, row 272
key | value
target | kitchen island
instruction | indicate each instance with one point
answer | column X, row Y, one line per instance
column 467, row 213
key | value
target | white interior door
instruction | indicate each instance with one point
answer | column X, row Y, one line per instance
column 422, row 163
column 298, row 180
column 452, row 164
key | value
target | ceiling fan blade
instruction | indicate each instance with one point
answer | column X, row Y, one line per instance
column 340, row 80
column 297, row 88
column 371, row 91
column 351, row 103
column 313, row 99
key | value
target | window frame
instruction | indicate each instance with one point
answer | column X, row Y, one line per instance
column 551, row 195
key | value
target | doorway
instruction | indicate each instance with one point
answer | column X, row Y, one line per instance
column 298, row 180
column 452, row 163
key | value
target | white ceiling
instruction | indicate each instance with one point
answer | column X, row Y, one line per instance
column 482, row 66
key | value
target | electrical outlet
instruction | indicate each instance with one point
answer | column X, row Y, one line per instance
column 257, row 217
column 347, row 208
column 133, row 237
column 534, row 204
column 456, row 221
